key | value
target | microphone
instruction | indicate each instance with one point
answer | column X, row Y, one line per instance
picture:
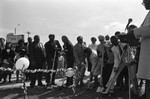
column 129, row 21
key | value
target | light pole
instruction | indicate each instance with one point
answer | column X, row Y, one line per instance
column 28, row 33
column 15, row 30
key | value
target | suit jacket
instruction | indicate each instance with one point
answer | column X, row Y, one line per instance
column 78, row 53
column 37, row 55
column 144, row 33
column 50, row 49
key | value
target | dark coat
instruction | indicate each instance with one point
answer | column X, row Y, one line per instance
column 9, row 56
column 68, row 47
column 36, row 55
column 50, row 49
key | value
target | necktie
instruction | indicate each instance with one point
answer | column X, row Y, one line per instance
column 120, row 50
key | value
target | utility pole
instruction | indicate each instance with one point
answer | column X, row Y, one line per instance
column 15, row 30
column 28, row 34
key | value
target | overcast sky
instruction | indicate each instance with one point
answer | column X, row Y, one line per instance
column 68, row 17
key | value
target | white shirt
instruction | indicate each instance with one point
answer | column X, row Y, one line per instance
column 93, row 46
column 117, row 56
column 94, row 59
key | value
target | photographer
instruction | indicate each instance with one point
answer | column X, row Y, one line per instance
column 143, row 32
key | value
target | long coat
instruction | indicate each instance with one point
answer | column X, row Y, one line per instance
column 144, row 60
column 68, row 47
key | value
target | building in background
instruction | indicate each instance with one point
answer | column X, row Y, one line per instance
column 14, row 38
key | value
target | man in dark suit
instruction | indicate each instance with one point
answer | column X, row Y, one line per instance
column 37, row 59
column 52, row 47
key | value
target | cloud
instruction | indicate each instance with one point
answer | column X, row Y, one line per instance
column 68, row 17
column 115, row 26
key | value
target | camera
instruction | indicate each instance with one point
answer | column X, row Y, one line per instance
column 132, row 41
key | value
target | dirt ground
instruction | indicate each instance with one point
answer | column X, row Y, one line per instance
column 14, row 91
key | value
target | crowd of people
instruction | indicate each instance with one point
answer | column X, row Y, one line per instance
column 102, row 59
column 111, row 58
